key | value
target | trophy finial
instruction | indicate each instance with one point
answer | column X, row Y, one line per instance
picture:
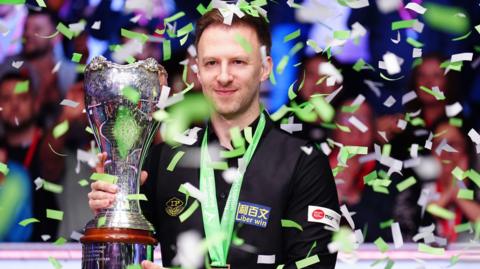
column 97, row 63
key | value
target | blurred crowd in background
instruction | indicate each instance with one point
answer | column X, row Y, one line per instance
column 409, row 94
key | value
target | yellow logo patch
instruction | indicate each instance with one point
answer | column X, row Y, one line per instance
column 174, row 206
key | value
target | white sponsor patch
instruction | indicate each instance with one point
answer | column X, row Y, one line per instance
column 323, row 215
column 266, row 259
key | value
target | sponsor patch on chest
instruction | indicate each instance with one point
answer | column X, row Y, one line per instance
column 253, row 214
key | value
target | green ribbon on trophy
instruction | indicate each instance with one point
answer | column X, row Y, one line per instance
column 211, row 223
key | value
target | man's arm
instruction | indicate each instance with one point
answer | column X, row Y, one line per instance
column 312, row 185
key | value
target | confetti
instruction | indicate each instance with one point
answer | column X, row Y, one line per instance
column 54, row 263
column 174, row 161
column 341, row 34
column 286, row 223
column 431, row 250
column 69, row 103
column 405, row 184
column 174, row 17
column 64, row 30
column 83, row 182
column 28, row 221
column 185, row 30
column 104, row 177
column 436, row 93
column 396, row 25
column 243, row 42
column 54, row 214
column 21, row 87
column 60, row 129
column 17, row 64
column 76, row 57
column 390, row 101
column 291, row 36
column 358, row 124
column 465, row 194
column 460, row 57
column 453, row 110
column 357, row 3
column 167, row 50
column 440, row 212
column 397, row 235
column 307, row 261
column 96, row 25
column 101, row 221
column 52, row 187
column 131, row 94
column 4, row 169
column 60, row 241
column 185, row 215
column 137, row 196
column 444, row 18
column 416, row 7
column 381, row 244
column 134, row 35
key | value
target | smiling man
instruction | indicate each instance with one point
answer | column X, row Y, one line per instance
column 246, row 220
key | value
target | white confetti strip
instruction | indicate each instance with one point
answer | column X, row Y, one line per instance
column 76, row 235
column 398, row 39
column 397, row 235
column 390, row 101
column 460, row 57
column 418, row 26
column 190, row 252
column 45, row 237
column 474, row 136
column 391, row 63
column 357, row 30
column 56, row 67
column 38, row 183
column 417, row 53
column 194, row 192
column 414, row 151
column 357, row 4
column 192, row 51
column 331, row 71
column 325, row 148
column 416, row 7
column 358, row 124
column 231, row 175
column 69, row 103
column 453, row 110
column 96, row 25
column 358, row 101
column 307, row 150
column 373, row 86
column 401, row 124
column 346, row 214
column 17, row 64
column 330, row 97
column 409, row 96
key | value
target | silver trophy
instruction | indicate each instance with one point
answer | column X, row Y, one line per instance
column 120, row 101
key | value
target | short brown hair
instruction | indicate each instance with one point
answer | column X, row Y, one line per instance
column 258, row 24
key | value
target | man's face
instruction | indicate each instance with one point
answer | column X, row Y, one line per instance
column 230, row 76
column 35, row 26
column 17, row 108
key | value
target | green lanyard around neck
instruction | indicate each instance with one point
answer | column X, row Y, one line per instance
column 211, row 223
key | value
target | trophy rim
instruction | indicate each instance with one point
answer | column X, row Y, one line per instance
column 100, row 62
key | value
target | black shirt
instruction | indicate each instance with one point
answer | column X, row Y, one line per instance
column 280, row 176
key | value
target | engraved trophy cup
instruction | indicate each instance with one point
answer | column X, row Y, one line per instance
column 120, row 101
